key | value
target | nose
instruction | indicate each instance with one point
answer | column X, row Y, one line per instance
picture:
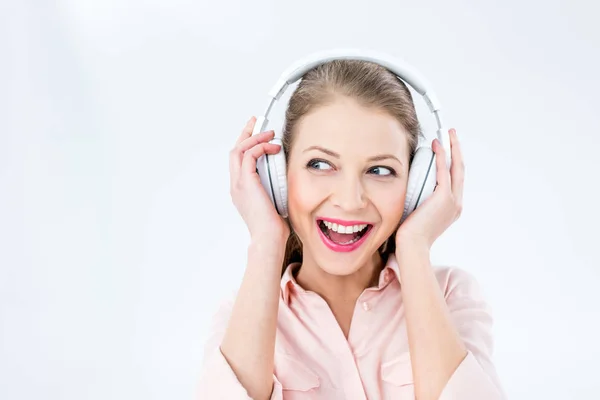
column 349, row 194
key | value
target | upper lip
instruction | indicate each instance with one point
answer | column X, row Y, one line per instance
column 343, row 222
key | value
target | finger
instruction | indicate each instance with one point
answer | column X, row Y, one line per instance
column 443, row 174
column 457, row 170
column 237, row 153
column 252, row 155
column 247, row 130
column 252, row 141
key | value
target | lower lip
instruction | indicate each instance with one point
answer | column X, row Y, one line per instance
column 342, row 248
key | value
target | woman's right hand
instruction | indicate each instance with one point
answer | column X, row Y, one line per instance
column 248, row 194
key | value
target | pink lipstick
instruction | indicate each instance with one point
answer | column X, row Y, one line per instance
column 343, row 236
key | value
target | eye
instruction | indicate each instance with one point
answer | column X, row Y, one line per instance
column 383, row 171
column 318, row 164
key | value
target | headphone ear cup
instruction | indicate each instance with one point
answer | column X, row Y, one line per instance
column 263, row 170
column 421, row 180
column 272, row 171
column 278, row 172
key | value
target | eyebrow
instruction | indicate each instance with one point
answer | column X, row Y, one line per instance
column 336, row 155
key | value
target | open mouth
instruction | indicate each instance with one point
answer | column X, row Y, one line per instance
column 343, row 235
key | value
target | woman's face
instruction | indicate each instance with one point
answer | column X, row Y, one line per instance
column 348, row 167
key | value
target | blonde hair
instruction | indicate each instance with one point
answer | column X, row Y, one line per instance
column 372, row 86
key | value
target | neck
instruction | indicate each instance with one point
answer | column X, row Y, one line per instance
column 339, row 289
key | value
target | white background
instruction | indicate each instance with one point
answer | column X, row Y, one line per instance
column 117, row 234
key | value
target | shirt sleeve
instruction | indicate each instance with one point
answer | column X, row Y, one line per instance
column 476, row 377
column 217, row 379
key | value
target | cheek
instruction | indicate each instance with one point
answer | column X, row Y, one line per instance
column 303, row 195
column 391, row 205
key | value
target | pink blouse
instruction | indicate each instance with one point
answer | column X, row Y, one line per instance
column 313, row 359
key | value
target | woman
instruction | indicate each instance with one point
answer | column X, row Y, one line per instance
column 340, row 301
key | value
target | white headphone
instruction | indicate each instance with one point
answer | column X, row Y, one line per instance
column 422, row 171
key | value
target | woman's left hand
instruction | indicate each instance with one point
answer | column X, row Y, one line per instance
column 429, row 220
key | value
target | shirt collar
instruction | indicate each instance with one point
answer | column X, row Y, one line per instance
column 390, row 272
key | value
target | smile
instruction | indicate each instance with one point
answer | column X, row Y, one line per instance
column 343, row 236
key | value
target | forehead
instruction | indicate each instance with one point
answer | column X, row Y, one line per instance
column 351, row 129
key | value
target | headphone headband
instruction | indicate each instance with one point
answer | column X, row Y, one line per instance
column 397, row 66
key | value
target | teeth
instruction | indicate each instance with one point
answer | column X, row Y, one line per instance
column 344, row 229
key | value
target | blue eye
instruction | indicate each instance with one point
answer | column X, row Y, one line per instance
column 314, row 164
column 383, row 171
